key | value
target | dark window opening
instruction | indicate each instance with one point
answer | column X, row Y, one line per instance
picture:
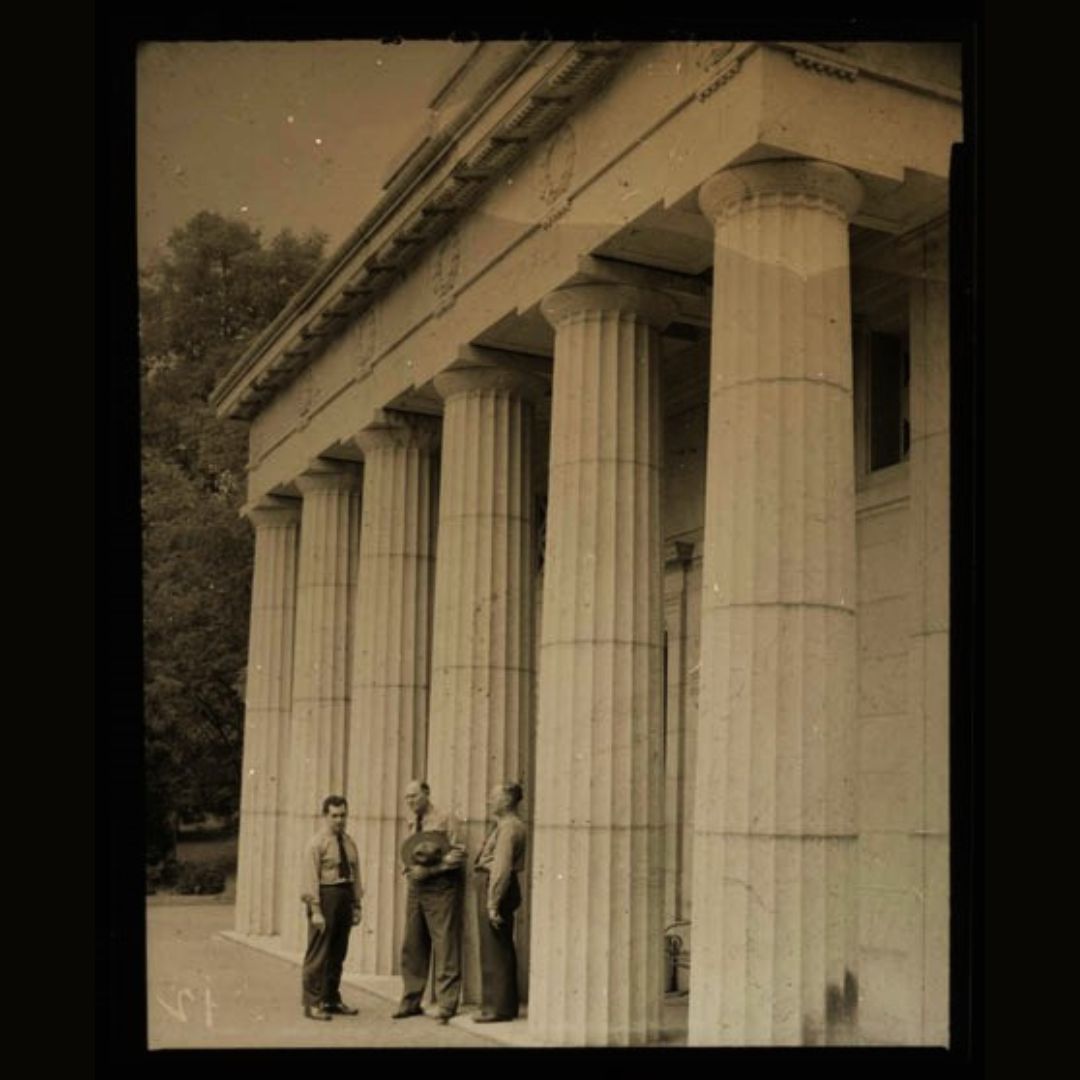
column 889, row 374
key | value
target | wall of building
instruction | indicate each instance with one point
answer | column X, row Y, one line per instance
column 929, row 625
column 887, row 905
column 902, row 706
column 903, row 702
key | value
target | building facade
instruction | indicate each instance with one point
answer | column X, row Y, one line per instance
column 611, row 453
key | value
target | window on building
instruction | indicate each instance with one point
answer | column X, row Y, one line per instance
column 888, row 374
column 882, row 374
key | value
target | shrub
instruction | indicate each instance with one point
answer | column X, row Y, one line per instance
column 161, row 874
column 200, row 879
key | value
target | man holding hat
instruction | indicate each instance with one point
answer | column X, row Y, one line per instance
column 433, row 855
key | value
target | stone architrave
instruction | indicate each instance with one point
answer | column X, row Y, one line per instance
column 391, row 665
column 773, row 951
column 483, row 665
column 597, row 900
column 318, row 735
column 268, row 702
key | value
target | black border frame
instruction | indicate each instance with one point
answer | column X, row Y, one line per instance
column 120, row 999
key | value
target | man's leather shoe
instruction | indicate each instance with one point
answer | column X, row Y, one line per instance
column 315, row 1012
column 341, row 1008
column 407, row 1010
column 488, row 1018
column 443, row 1016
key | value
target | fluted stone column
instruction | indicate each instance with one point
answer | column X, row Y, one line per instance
column 388, row 720
column 597, row 930
column 318, row 737
column 268, row 702
column 773, row 946
column 482, row 660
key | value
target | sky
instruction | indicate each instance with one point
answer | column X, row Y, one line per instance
column 280, row 134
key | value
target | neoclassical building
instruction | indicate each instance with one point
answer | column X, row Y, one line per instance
column 611, row 452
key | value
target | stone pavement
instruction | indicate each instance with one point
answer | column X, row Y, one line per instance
column 207, row 988
column 205, row 991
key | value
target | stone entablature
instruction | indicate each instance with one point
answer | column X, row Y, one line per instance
column 403, row 225
column 635, row 146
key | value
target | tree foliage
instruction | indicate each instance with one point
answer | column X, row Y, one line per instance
column 201, row 303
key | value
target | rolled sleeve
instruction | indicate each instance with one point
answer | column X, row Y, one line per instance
column 312, row 874
column 358, row 885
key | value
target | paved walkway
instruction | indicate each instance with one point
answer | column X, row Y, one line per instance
column 204, row 990
column 210, row 988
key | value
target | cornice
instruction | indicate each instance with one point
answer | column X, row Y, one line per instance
column 333, row 298
column 822, row 59
column 722, row 64
column 422, row 205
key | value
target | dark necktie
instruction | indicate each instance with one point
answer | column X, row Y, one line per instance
column 417, row 829
column 343, row 860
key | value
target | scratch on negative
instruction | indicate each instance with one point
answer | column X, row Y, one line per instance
column 751, row 890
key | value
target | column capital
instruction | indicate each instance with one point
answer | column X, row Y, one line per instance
column 652, row 307
column 679, row 551
column 741, row 186
column 402, row 430
column 273, row 510
column 324, row 474
column 480, row 378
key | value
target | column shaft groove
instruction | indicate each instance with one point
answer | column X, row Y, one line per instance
column 318, row 736
column 773, row 948
column 597, row 921
column 268, row 702
column 390, row 668
column 482, row 662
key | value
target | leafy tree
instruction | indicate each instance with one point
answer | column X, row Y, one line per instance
column 201, row 303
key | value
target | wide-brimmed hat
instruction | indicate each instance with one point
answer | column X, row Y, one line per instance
column 424, row 849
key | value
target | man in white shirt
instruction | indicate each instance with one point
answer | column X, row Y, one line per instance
column 498, row 896
column 331, row 895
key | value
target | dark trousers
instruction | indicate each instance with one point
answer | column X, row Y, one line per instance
column 498, row 960
column 432, row 924
column 327, row 946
